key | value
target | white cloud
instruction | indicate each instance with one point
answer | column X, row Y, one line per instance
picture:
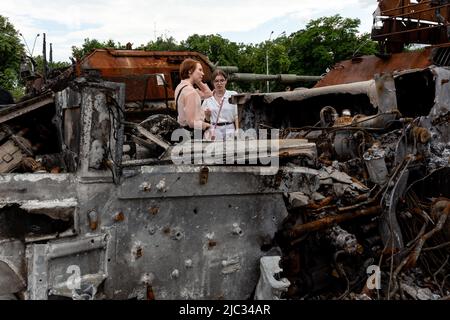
column 67, row 22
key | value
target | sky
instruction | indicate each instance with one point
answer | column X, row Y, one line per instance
column 68, row 22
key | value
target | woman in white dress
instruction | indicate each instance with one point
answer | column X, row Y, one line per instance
column 224, row 120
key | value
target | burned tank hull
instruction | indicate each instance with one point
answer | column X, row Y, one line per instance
column 177, row 245
column 112, row 232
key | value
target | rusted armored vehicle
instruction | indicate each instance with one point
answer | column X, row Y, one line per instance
column 404, row 22
column 150, row 77
column 95, row 203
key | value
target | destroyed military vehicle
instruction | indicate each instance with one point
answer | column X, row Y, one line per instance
column 81, row 179
column 93, row 204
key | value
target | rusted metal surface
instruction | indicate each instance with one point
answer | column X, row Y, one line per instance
column 423, row 10
column 403, row 22
column 364, row 68
column 139, row 70
column 152, row 76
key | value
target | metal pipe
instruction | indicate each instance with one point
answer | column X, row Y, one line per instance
column 283, row 78
column 405, row 7
column 406, row 31
column 44, row 56
column 51, row 53
column 324, row 223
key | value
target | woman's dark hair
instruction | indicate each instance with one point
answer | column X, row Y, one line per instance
column 187, row 66
column 219, row 72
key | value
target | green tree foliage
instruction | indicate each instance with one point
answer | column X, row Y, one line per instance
column 89, row 45
column 246, row 60
column 51, row 66
column 309, row 51
column 252, row 59
column 162, row 44
column 11, row 51
column 324, row 42
column 218, row 49
column 277, row 54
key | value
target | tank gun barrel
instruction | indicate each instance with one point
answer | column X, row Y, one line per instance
column 235, row 75
column 227, row 69
column 283, row 78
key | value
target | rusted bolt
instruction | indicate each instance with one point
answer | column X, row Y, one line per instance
column 93, row 220
column 119, row 217
column 153, row 211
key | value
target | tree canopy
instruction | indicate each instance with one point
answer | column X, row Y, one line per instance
column 219, row 50
column 162, row 44
column 11, row 52
column 308, row 51
column 326, row 41
column 91, row 44
column 39, row 60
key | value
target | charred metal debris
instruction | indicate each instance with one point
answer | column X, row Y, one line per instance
column 91, row 207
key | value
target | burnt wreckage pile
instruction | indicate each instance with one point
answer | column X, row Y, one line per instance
column 380, row 208
column 363, row 184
